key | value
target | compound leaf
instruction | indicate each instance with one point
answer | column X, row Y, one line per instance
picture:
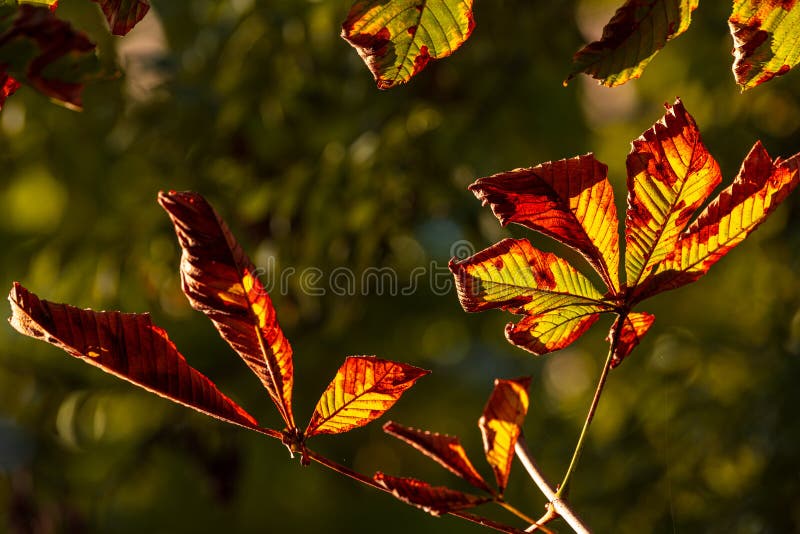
column 220, row 280
column 436, row 500
column 364, row 388
column 122, row 15
column 569, row 200
column 638, row 30
column 766, row 40
column 444, row 449
column 397, row 38
column 501, row 424
column 126, row 345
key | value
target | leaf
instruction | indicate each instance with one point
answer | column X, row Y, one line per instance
column 397, row 38
column 634, row 327
column 766, row 40
column 122, row 15
column 436, row 500
column 638, row 30
column 569, row 200
column 8, row 86
column 126, row 345
column 757, row 190
column 220, row 280
column 670, row 174
column 500, row 425
column 364, row 388
column 39, row 49
column 444, row 449
column 559, row 302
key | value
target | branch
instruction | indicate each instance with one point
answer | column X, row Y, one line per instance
column 559, row 505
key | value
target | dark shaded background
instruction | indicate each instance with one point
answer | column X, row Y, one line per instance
column 260, row 106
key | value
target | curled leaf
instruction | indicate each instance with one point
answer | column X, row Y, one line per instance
column 126, row 345
column 220, row 280
column 638, row 30
column 634, row 327
column 501, row 424
column 397, row 38
column 364, row 388
column 122, row 15
column 436, row 500
column 444, row 449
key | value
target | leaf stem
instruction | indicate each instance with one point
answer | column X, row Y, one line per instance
column 559, row 505
column 346, row 471
column 524, row 517
column 592, row 409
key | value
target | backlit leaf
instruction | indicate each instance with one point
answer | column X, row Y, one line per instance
column 364, row 388
column 560, row 303
column 500, row 425
column 122, row 15
column 569, row 200
column 42, row 51
column 634, row 327
column 8, row 86
column 670, row 174
column 127, row 345
column 444, row 449
column 758, row 189
column 436, row 500
column 638, row 30
column 220, row 280
column 766, row 39
column 397, row 38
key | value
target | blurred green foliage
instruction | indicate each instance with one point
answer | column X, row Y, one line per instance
column 261, row 107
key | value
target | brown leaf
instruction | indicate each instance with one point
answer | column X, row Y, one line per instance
column 444, row 449
column 220, row 280
column 122, row 15
column 436, row 500
column 364, row 388
column 126, row 345
column 501, row 424
column 634, row 328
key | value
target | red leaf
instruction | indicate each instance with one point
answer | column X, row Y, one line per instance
column 126, row 345
column 8, row 86
column 501, row 424
column 122, row 15
column 364, row 388
column 444, row 449
column 436, row 500
column 634, row 328
column 220, row 281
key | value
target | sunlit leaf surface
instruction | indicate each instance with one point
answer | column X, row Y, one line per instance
column 436, row 500
column 122, row 15
column 634, row 327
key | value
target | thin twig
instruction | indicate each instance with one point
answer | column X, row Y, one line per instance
column 330, row 464
column 560, row 506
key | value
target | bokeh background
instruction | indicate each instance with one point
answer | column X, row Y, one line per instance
column 260, row 106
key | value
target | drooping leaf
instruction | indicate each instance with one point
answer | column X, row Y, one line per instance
column 42, row 51
column 436, row 500
column 760, row 186
column 569, row 200
column 766, row 40
column 634, row 327
column 500, row 425
column 444, row 449
column 559, row 302
column 397, row 38
column 364, row 388
column 670, row 174
column 126, row 345
column 638, row 30
column 122, row 15
column 220, row 280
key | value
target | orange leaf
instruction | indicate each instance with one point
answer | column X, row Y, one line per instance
column 436, row 500
column 634, row 328
column 670, row 174
column 220, row 280
column 126, row 345
column 364, row 388
column 569, row 200
column 444, row 449
column 122, row 15
column 500, row 425
column 758, row 189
